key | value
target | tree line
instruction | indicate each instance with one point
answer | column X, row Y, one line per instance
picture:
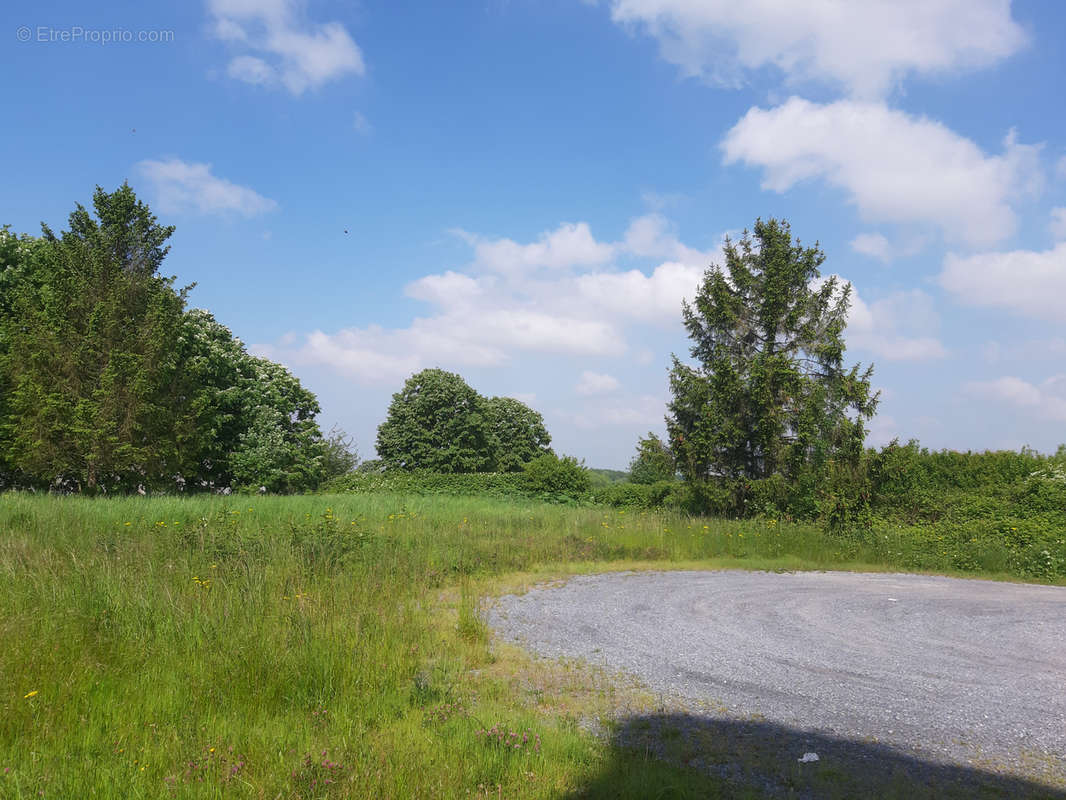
column 110, row 383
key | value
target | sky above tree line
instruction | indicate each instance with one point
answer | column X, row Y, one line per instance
column 523, row 191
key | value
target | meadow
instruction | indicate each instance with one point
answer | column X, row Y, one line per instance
column 323, row 646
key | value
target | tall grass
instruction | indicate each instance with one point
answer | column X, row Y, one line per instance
column 317, row 646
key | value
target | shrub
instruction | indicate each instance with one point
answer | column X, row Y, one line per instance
column 551, row 475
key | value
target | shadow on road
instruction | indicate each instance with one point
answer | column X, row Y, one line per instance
column 674, row 755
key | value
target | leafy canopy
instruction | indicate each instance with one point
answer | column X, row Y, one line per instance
column 438, row 423
column 517, row 432
column 255, row 421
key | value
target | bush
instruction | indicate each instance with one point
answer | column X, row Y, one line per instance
column 553, row 476
column 635, row 495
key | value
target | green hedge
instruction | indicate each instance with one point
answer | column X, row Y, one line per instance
column 495, row 484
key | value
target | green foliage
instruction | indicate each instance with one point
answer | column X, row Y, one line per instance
column 438, row 423
column 653, row 462
column 554, row 476
column 324, row 545
column 603, row 477
column 281, row 449
column 255, row 421
column 89, row 358
column 517, row 431
column 217, row 372
column 424, row 482
column 770, row 395
column 340, row 455
column 108, row 384
column 647, row 496
column 17, row 263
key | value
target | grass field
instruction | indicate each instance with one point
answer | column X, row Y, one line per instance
column 330, row 646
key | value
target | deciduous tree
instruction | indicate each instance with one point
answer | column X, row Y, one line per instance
column 517, row 431
column 436, row 422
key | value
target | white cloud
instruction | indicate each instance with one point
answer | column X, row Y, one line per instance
column 1057, row 226
column 894, row 167
column 292, row 51
column 182, row 186
column 450, row 290
column 901, row 326
column 556, row 294
column 572, row 245
column 655, row 297
column 867, row 47
column 1046, row 400
column 654, row 236
column 251, row 70
column 874, row 245
column 454, row 338
column 569, row 245
column 1022, row 281
column 596, row 383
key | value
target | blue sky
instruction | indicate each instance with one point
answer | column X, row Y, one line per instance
column 523, row 192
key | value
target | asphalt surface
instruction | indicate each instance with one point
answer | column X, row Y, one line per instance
column 960, row 671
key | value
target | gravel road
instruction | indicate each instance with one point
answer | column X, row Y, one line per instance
column 960, row 671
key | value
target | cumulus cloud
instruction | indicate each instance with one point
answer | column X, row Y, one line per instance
column 654, row 236
column 557, row 294
column 290, row 50
column 654, row 297
column 1022, row 281
column 596, row 383
column 554, row 296
column 1046, row 400
column 456, row 339
column 182, row 186
column 573, row 245
column 569, row 245
column 866, row 47
column 893, row 166
column 901, row 326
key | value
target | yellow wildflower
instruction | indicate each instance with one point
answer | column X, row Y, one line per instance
column 28, row 695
